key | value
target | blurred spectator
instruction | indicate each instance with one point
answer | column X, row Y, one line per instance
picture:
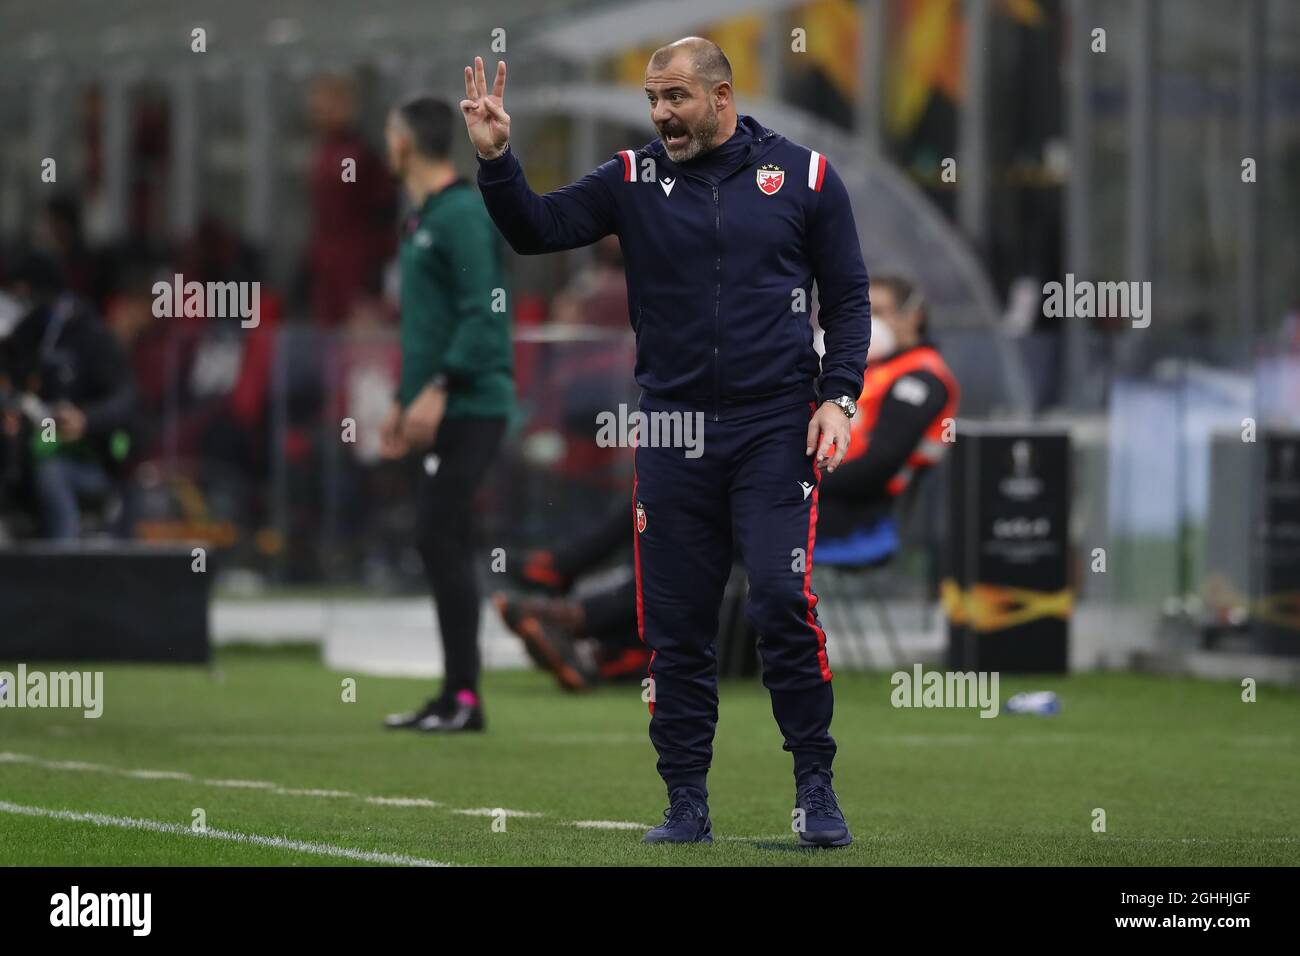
column 61, row 364
column 371, row 513
column 901, row 430
column 367, row 366
column 203, row 381
column 224, row 369
column 597, row 295
column 57, row 232
column 353, row 219
column 129, row 316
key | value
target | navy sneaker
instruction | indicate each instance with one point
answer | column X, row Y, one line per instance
column 823, row 823
column 685, row 821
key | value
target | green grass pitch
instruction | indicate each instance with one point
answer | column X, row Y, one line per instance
column 286, row 773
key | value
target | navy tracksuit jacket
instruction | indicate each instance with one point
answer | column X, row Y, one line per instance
column 721, row 253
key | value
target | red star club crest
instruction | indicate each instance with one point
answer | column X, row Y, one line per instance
column 640, row 517
column 770, row 178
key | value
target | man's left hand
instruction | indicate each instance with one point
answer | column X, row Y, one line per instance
column 828, row 436
column 424, row 416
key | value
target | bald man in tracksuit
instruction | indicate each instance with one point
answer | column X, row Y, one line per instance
column 725, row 227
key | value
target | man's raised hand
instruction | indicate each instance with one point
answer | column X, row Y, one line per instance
column 486, row 120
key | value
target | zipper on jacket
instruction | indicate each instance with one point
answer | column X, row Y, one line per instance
column 717, row 300
column 717, row 265
column 717, row 272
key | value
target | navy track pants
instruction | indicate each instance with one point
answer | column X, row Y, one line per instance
column 752, row 485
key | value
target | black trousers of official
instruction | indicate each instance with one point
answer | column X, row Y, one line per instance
column 449, row 476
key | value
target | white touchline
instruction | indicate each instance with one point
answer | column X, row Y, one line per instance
column 296, row 792
column 241, row 784
column 157, row 774
column 402, row 801
column 230, row 836
column 10, row 757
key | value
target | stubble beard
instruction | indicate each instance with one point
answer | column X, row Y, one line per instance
column 701, row 139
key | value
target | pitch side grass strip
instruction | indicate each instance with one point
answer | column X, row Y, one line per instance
column 175, row 829
column 269, row 787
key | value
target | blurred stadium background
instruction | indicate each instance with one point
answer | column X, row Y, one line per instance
column 1122, row 165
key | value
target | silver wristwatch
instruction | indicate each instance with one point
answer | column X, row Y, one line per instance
column 847, row 405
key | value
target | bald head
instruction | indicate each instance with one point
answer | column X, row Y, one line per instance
column 705, row 60
column 688, row 84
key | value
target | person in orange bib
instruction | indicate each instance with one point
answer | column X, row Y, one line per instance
column 906, row 417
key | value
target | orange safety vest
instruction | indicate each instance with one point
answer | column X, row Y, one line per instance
column 878, row 382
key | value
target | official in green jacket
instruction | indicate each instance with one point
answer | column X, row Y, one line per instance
column 457, row 387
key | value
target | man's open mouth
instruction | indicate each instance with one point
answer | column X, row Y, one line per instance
column 677, row 140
